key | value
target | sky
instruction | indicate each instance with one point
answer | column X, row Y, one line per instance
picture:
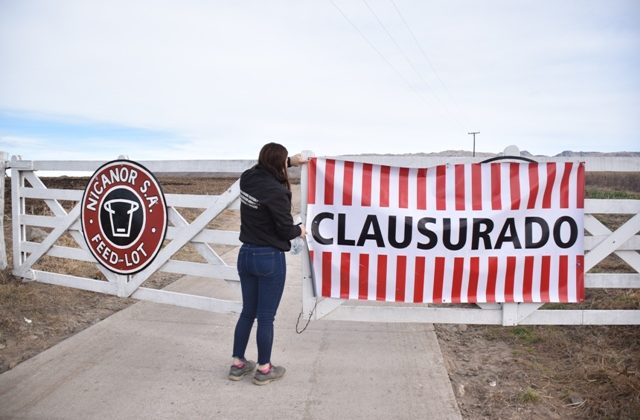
column 196, row 79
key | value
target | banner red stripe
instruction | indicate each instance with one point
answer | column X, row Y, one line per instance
column 326, row 274
column 422, row 189
column 534, row 183
column 564, row 186
column 527, row 287
column 564, row 278
column 418, row 288
column 544, row 278
column 476, row 186
column 514, row 176
column 367, row 169
column 548, row 191
column 492, row 275
column 441, row 187
column 384, row 185
column 456, row 291
column 496, row 187
column 438, row 281
column 510, row 279
column 401, row 277
column 580, row 277
column 474, row 271
column 345, row 266
column 363, row 277
column 460, row 198
column 404, row 187
column 381, row 290
column 580, row 192
column 329, row 173
column 311, row 189
column 347, row 184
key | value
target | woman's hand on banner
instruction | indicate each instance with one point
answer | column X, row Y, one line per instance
column 298, row 159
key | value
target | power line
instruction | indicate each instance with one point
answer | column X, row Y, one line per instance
column 426, row 57
column 373, row 46
column 384, row 58
column 410, row 62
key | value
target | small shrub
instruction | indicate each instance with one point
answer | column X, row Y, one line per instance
column 526, row 335
column 528, row 396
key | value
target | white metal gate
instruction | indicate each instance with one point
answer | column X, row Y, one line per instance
column 600, row 242
column 25, row 184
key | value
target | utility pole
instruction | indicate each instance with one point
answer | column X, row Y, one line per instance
column 474, row 141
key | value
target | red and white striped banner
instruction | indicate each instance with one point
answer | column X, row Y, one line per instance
column 482, row 232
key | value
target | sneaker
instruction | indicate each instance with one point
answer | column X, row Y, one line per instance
column 236, row 372
column 275, row 372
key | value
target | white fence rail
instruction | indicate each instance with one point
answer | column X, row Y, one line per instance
column 600, row 242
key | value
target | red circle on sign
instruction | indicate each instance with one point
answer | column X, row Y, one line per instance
column 124, row 216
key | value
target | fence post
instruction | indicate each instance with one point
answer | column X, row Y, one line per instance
column 3, row 248
column 308, row 296
column 510, row 310
column 17, row 211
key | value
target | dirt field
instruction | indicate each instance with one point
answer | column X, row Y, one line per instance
column 496, row 372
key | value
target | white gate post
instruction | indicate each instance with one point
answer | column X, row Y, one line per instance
column 3, row 248
column 308, row 299
column 17, row 211
column 510, row 310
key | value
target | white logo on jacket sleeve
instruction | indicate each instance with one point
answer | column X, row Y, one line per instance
column 249, row 200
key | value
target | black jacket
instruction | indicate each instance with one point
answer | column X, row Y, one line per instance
column 265, row 210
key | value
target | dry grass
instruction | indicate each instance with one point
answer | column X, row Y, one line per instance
column 620, row 182
column 35, row 316
column 564, row 372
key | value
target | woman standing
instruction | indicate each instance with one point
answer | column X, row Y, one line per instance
column 266, row 229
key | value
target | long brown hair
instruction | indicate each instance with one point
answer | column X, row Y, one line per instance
column 273, row 158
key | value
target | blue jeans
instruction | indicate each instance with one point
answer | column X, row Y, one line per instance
column 262, row 271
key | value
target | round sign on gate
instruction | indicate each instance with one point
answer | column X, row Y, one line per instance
column 124, row 216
